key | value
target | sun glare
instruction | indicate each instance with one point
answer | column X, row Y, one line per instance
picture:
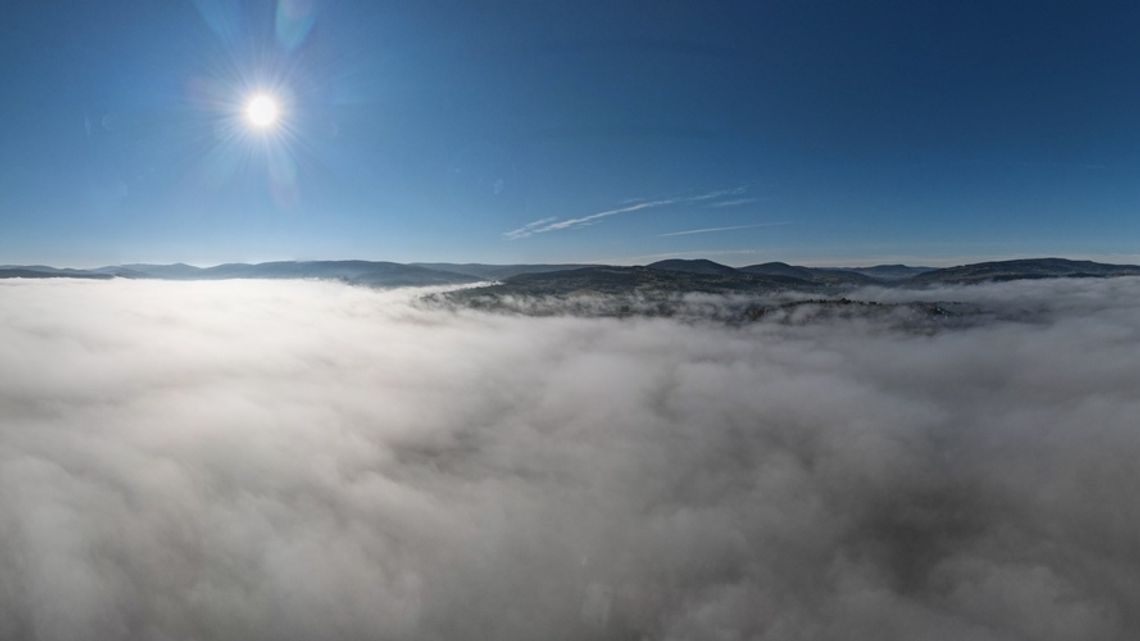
column 262, row 111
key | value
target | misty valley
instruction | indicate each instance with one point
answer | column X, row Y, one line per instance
column 300, row 459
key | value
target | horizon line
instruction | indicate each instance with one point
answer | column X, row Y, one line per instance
column 647, row 259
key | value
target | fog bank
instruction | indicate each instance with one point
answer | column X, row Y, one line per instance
column 308, row 460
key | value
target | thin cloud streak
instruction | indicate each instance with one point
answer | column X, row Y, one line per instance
column 548, row 224
column 734, row 203
column 529, row 228
column 709, row 230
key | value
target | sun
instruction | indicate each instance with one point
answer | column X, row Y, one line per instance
column 262, row 111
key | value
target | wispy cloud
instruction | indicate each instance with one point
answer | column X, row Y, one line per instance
column 709, row 230
column 552, row 224
column 529, row 228
column 735, row 202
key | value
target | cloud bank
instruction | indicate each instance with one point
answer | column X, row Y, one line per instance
column 307, row 460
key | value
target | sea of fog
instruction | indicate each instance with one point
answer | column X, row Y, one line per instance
column 306, row 460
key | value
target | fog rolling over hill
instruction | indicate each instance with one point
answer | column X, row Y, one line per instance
column 666, row 275
column 675, row 288
column 1024, row 269
column 359, row 272
column 301, row 459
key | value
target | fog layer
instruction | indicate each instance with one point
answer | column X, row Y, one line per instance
column 306, row 460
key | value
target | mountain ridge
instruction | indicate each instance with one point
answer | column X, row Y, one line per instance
column 675, row 273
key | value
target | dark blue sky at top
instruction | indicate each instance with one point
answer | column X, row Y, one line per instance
column 820, row 132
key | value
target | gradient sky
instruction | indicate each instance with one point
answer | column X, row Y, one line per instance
column 817, row 132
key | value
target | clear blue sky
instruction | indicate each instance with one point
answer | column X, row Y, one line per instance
column 819, row 132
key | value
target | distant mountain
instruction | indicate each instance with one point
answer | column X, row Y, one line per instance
column 818, row 275
column 497, row 272
column 779, row 269
column 659, row 284
column 696, row 266
column 359, row 272
column 38, row 271
column 887, row 272
column 177, row 271
column 813, row 275
column 673, row 275
column 1023, row 269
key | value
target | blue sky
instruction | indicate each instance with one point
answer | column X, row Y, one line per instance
column 816, row 132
